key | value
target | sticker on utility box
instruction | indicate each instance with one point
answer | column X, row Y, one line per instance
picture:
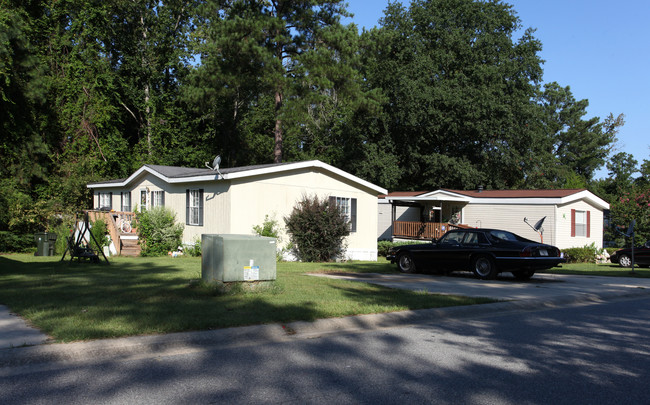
column 251, row 273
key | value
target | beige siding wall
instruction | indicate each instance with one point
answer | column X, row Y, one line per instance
column 510, row 217
column 115, row 199
column 565, row 240
column 276, row 196
column 235, row 206
column 216, row 203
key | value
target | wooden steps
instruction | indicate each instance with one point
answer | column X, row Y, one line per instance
column 129, row 245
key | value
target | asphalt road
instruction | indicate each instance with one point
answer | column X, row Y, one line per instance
column 595, row 353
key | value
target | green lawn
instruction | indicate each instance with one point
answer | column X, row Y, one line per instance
column 605, row 269
column 136, row 296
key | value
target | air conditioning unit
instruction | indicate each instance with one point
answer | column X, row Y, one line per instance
column 229, row 258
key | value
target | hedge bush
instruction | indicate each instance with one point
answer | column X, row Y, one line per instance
column 317, row 230
column 585, row 254
column 159, row 232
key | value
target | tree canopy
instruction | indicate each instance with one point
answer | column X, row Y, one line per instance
column 440, row 94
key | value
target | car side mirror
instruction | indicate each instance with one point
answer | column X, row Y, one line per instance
column 434, row 240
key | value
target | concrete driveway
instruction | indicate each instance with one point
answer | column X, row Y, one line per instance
column 541, row 286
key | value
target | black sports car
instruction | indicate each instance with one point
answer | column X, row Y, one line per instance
column 641, row 256
column 486, row 252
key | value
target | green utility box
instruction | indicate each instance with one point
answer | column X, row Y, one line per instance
column 229, row 258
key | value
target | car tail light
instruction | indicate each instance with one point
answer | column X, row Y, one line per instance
column 527, row 252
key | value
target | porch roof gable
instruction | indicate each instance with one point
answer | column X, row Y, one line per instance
column 537, row 197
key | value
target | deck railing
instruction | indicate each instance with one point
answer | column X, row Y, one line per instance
column 422, row 230
column 113, row 220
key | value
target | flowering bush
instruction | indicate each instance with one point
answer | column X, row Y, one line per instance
column 634, row 205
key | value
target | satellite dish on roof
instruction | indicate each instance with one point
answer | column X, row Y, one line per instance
column 215, row 165
column 537, row 227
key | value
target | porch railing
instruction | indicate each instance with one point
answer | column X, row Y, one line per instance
column 422, row 230
column 113, row 220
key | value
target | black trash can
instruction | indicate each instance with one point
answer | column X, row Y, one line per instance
column 45, row 243
column 51, row 239
column 42, row 244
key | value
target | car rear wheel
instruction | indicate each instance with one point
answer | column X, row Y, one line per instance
column 625, row 261
column 484, row 268
column 523, row 274
column 405, row 263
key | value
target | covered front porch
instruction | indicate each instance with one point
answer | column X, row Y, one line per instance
column 421, row 216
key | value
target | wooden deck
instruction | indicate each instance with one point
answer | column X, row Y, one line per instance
column 121, row 228
column 422, row 230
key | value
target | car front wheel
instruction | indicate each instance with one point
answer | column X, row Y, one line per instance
column 484, row 268
column 405, row 263
column 625, row 261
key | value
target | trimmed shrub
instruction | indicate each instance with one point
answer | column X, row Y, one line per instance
column 159, row 232
column 317, row 230
column 585, row 254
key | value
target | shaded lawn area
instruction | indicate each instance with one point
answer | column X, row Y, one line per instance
column 137, row 296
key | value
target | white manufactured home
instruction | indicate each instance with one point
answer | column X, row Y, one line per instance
column 573, row 218
column 234, row 200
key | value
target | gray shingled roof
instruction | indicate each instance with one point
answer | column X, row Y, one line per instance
column 179, row 172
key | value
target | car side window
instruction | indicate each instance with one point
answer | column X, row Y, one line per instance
column 482, row 239
column 471, row 239
column 452, row 238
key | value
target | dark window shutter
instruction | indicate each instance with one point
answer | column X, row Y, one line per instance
column 332, row 201
column 128, row 207
column 353, row 214
column 162, row 198
column 588, row 224
column 200, row 207
column 121, row 201
column 573, row 223
column 187, row 207
column 110, row 200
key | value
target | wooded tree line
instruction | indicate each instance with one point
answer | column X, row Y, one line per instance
column 440, row 94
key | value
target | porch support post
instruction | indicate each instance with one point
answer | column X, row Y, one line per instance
column 392, row 220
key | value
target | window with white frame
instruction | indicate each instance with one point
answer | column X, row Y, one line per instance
column 105, row 200
column 143, row 198
column 126, row 201
column 580, row 223
column 157, row 199
column 194, row 209
column 348, row 208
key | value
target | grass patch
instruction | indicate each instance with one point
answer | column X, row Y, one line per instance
column 603, row 269
column 137, row 296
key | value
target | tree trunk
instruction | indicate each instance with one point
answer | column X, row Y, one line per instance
column 277, row 131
